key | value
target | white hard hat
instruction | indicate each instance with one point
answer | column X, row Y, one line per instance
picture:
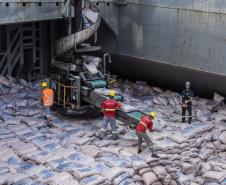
column 187, row 83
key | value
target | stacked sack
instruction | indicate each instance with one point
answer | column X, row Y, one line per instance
column 69, row 152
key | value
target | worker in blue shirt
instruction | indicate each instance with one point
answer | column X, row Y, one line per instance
column 186, row 99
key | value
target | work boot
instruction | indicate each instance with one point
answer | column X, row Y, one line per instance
column 49, row 119
column 152, row 150
column 189, row 121
column 139, row 151
column 114, row 136
column 102, row 135
column 154, row 155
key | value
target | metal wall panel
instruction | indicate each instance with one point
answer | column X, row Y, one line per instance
column 217, row 6
column 16, row 11
column 168, row 76
column 110, row 14
column 31, row 1
column 185, row 33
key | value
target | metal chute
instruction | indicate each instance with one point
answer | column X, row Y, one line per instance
column 71, row 41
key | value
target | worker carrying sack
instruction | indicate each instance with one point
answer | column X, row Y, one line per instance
column 47, row 97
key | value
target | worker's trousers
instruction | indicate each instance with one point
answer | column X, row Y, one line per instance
column 47, row 112
column 112, row 122
column 141, row 136
column 189, row 109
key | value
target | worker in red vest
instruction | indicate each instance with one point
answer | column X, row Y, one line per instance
column 109, row 109
column 47, row 99
column 144, row 125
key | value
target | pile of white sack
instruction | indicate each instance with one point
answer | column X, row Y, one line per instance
column 70, row 153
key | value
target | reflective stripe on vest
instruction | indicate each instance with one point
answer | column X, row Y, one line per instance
column 49, row 101
column 142, row 123
column 110, row 110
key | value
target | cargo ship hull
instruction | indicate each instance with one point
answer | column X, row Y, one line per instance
column 168, row 76
column 168, row 42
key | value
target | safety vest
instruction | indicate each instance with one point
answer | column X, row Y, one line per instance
column 144, row 124
column 47, row 97
column 109, row 107
column 109, row 110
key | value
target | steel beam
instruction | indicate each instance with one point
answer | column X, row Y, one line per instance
column 210, row 6
column 17, row 11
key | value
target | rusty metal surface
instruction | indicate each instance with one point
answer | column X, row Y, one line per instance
column 17, row 11
column 185, row 33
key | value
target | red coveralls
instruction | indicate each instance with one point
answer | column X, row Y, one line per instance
column 144, row 124
column 109, row 108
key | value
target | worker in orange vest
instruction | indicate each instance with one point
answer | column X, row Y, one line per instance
column 144, row 125
column 109, row 107
column 47, row 99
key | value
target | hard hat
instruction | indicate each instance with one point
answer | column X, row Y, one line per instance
column 153, row 114
column 112, row 93
column 44, row 84
column 187, row 83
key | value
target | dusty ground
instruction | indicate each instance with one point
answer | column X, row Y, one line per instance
column 71, row 153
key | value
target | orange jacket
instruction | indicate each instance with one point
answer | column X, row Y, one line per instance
column 47, row 97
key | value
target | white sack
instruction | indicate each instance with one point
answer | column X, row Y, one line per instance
column 215, row 176
column 93, row 180
column 149, row 178
column 112, row 173
column 218, row 98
